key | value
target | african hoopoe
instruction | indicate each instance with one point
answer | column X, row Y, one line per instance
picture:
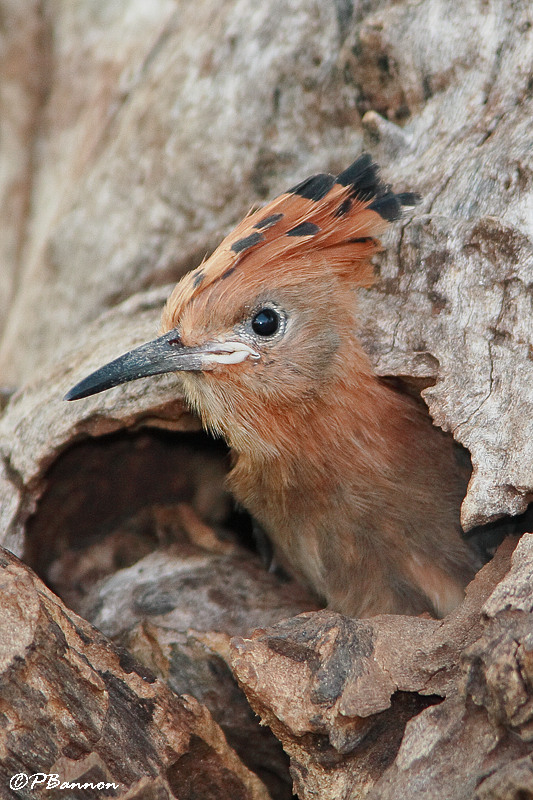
column 358, row 492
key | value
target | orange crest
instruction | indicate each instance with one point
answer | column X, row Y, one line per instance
column 331, row 220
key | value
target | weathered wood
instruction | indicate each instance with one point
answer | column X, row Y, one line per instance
column 397, row 706
column 75, row 706
column 176, row 610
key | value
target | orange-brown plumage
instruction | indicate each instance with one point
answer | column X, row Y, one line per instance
column 358, row 492
column 274, row 248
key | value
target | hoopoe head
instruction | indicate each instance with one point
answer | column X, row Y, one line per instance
column 261, row 320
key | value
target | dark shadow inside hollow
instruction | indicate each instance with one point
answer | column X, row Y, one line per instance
column 487, row 538
column 97, row 484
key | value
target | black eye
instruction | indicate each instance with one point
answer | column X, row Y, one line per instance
column 265, row 322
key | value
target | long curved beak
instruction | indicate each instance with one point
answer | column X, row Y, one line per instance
column 167, row 353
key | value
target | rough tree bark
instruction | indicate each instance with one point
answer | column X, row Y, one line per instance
column 75, row 707
column 134, row 135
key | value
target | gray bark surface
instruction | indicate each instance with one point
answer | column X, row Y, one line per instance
column 133, row 137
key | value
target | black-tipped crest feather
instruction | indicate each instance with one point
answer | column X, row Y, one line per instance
column 314, row 188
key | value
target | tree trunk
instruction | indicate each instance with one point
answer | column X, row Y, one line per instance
column 134, row 135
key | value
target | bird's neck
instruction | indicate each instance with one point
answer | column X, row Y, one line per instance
column 352, row 424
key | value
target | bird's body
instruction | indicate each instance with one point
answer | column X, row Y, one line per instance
column 358, row 492
column 360, row 498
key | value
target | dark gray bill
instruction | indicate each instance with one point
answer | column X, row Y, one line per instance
column 165, row 354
